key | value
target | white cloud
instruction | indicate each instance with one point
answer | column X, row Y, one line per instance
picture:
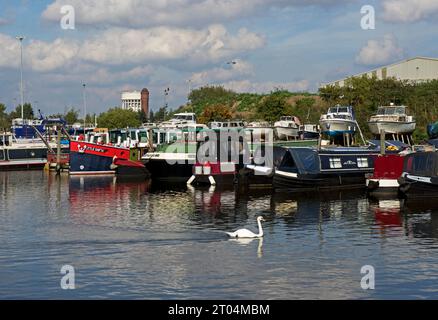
column 409, row 10
column 39, row 55
column 146, row 13
column 380, row 52
column 215, row 75
column 119, row 46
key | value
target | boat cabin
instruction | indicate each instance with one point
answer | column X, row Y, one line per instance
column 226, row 125
column 340, row 112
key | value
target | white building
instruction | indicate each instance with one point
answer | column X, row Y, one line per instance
column 131, row 100
column 417, row 69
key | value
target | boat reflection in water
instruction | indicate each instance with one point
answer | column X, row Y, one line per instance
column 387, row 213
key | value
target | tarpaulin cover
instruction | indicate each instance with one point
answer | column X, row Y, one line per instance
column 422, row 164
column 301, row 160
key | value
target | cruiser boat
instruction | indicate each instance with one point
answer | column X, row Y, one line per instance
column 179, row 120
column 338, row 121
column 287, row 127
column 226, row 125
column 309, row 131
column 393, row 120
column 259, row 131
column 21, row 154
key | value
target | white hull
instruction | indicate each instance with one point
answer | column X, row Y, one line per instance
column 338, row 125
column 286, row 132
column 391, row 127
column 260, row 134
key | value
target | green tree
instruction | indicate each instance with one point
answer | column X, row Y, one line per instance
column 5, row 122
column 27, row 111
column 161, row 114
column 142, row 116
column 217, row 112
column 118, row 118
column 71, row 116
column 273, row 107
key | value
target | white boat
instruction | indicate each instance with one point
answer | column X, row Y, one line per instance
column 287, row 127
column 226, row 125
column 22, row 153
column 393, row 120
column 260, row 131
column 338, row 121
column 179, row 120
column 309, row 131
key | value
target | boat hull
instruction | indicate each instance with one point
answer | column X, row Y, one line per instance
column 93, row 159
column 382, row 188
column 337, row 127
column 285, row 133
column 291, row 181
column 415, row 187
column 22, row 158
column 164, row 171
column 391, row 127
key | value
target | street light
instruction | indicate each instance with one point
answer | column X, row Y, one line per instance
column 21, row 38
column 85, row 106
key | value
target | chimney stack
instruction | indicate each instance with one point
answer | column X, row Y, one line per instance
column 145, row 101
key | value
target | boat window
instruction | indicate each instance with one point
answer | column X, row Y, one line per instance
column 225, row 125
column 335, row 163
column 333, row 110
column 343, row 109
column 362, row 162
column 143, row 136
column 381, row 111
column 400, row 110
column 133, row 135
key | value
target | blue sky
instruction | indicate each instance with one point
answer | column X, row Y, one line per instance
column 131, row 44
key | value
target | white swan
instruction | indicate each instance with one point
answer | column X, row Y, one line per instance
column 245, row 233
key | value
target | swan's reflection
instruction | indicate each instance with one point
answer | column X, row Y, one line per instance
column 247, row 241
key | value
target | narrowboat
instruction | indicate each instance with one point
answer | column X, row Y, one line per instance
column 420, row 175
column 383, row 182
column 174, row 154
column 308, row 168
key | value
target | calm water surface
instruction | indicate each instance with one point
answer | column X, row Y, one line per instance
column 143, row 241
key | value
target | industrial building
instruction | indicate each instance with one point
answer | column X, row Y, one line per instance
column 419, row 69
column 136, row 100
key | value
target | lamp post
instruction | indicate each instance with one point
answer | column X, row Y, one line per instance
column 166, row 93
column 85, row 106
column 231, row 63
column 21, row 38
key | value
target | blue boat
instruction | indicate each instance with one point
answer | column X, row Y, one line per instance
column 25, row 128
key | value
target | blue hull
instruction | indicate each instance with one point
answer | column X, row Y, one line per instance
column 338, row 133
column 82, row 163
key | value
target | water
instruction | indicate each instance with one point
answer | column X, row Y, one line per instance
column 143, row 241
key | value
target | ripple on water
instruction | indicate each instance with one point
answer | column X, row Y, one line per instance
column 137, row 240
